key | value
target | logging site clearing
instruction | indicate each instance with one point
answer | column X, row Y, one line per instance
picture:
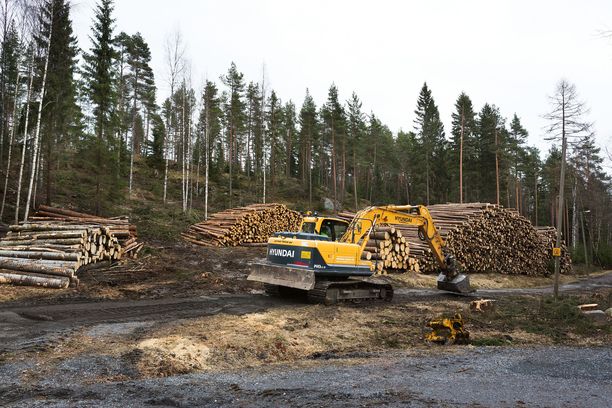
column 94, row 311
column 186, row 313
column 305, row 204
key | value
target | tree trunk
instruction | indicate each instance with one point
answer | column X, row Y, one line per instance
column 496, row 167
column 461, row 156
column 207, row 159
column 560, row 205
column 11, row 139
column 24, row 145
column 37, row 134
column 574, row 215
column 355, row 179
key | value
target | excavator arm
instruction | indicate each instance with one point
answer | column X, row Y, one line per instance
column 450, row 278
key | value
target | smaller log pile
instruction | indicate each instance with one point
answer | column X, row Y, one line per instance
column 120, row 227
column 54, row 244
column 50, row 255
column 250, row 225
column 388, row 249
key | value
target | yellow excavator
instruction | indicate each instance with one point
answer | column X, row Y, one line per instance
column 324, row 260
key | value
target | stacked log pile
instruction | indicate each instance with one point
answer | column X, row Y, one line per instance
column 250, row 225
column 55, row 244
column 389, row 250
column 483, row 238
column 120, row 227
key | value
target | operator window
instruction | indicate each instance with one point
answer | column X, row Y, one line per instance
column 308, row 227
column 339, row 229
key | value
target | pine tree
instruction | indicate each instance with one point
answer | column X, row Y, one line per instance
column 334, row 129
column 99, row 75
column 517, row 137
column 254, row 127
column 210, row 125
column 274, row 122
column 289, row 137
column 235, row 119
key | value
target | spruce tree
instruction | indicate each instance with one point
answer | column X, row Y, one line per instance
column 99, row 77
column 356, row 130
column 488, row 143
column 308, row 141
column 61, row 114
column 430, row 130
column 462, row 152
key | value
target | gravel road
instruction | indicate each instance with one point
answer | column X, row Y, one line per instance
column 465, row 377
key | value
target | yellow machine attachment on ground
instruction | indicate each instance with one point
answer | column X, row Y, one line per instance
column 330, row 271
column 446, row 330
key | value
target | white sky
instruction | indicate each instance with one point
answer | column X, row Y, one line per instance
column 509, row 53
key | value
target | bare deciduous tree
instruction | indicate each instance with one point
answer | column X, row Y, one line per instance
column 175, row 52
column 566, row 123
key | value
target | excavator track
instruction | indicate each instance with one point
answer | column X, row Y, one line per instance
column 330, row 292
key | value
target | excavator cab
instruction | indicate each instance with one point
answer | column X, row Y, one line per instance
column 330, row 227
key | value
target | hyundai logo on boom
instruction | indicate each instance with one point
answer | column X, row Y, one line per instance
column 282, row 252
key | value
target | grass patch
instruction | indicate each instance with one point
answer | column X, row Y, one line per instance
column 546, row 316
column 490, row 341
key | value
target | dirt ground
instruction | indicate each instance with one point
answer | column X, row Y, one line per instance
column 182, row 270
column 186, row 310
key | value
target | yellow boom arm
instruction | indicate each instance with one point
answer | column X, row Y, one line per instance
column 413, row 215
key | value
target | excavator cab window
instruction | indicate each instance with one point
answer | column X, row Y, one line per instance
column 308, row 227
column 333, row 229
column 339, row 230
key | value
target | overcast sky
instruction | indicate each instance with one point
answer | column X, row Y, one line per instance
column 508, row 53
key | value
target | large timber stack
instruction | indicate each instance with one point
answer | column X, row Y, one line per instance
column 483, row 238
column 486, row 238
column 55, row 244
column 249, row 225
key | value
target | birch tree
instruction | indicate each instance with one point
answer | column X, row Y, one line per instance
column 175, row 52
column 35, row 158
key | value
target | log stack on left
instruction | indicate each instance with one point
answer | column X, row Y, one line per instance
column 54, row 244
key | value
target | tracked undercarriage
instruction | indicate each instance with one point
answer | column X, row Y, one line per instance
column 330, row 292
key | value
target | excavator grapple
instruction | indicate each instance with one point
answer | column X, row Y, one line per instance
column 447, row 330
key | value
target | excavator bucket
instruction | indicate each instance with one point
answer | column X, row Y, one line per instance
column 459, row 284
